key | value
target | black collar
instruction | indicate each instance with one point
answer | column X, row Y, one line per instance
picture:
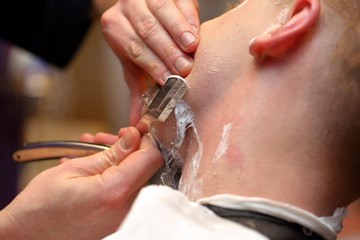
column 272, row 227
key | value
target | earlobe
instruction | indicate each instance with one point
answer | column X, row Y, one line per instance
column 281, row 38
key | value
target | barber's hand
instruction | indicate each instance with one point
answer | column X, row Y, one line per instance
column 102, row 138
column 154, row 37
column 85, row 198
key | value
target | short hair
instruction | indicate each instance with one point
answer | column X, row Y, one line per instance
column 348, row 46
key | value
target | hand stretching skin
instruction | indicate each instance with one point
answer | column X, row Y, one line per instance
column 85, row 198
column 153, row 37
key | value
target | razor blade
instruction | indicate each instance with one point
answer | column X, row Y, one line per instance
column 159, row 109
column 163, row 103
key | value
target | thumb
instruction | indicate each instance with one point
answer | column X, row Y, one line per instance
column 129, row 141
column 132, row 173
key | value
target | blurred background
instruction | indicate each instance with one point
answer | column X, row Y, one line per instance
column 39, row 102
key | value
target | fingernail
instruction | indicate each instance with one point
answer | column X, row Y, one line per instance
column 187, row 39
column 166, row 75
column 181, row 64
column 126, row 140
column 195, row 28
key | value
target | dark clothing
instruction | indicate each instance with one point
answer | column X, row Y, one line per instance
column 51, row 29
column 272, row 227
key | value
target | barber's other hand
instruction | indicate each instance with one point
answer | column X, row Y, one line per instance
column 83, row 198
column 153, row 37
column 102, row 138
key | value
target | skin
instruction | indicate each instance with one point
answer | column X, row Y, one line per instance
column 292, row 140
column 154, row 37
column 93, row 192
column 294, row 131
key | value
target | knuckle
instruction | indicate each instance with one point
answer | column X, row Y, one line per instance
column 104, row 20
column 177, row 26
column 170, row 51
column 136, row 49
column 157, row 5
column 191, row 15
column 110, row 157
column 147, row 27
column 107, row 19
column 153, row 67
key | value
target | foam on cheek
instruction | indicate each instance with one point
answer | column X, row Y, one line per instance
column 173, row 166
column 171, row 154
column 185, row 120
column 192, row 184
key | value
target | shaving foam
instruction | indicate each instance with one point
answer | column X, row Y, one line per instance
column 223, row 145
column 173, row 160
column 185, row 120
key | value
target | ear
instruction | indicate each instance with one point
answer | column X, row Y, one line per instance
column 277, row 41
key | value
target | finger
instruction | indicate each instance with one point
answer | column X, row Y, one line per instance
column 129, row 45
column 190, row 10
column 137, row 85
column 87, row 137
column 99, row 162
column 150, row 30
column 178, row 20
column 105, row 138
column 64, row 159
column 136, row 106
column 134, row 171
column 100, row 138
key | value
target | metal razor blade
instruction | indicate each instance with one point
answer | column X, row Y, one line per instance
column 163, row 103
column 159, row 109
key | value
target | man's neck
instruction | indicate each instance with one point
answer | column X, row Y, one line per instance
column 224, row 159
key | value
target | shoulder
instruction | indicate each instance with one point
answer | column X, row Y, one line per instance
column 162, row 213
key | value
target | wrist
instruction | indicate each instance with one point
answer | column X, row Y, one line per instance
column 9, row 226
